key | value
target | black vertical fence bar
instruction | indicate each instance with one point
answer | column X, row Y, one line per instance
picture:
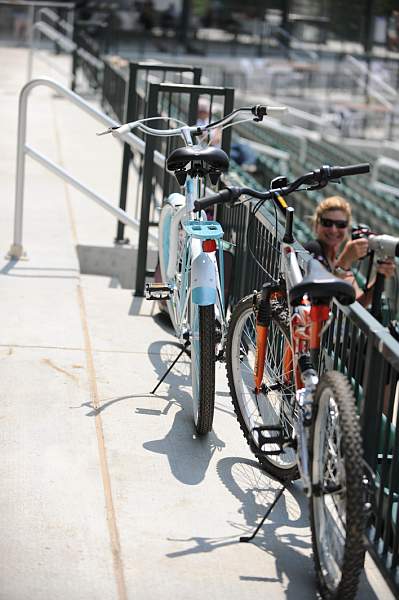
column 371, row 387
column 337, row 339
column 354, row 340
column 132, row 112
column 152, row 109
column 359, row 368
column 395, row 520
column 382, row 450
column 74, row 57
column 388, row 454
column 150, row 170
column 228, row 108
column 345, row 347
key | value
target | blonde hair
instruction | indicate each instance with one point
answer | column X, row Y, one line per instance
column 332, row 203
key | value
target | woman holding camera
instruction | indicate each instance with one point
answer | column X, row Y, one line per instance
column 336, row 251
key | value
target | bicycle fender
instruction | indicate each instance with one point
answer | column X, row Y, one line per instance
column 170, row 241
column 203, row 280
column 176, row 200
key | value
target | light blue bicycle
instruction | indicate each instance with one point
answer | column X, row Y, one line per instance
column 191, row 255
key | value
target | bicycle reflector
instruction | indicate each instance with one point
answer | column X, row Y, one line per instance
column 209, row 245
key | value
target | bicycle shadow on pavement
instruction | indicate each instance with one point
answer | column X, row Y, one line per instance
column 255, row 491
column 285, row 535
column 188, row 455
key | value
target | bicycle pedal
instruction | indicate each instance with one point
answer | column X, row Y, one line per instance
column 158, row 291
column 274, row 440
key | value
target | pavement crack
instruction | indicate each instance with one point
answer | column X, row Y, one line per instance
column 104, row 466
column 50, row 363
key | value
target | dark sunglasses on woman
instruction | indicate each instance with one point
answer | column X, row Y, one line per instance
column 330, row 222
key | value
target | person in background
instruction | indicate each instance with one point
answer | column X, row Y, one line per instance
column 336, row 251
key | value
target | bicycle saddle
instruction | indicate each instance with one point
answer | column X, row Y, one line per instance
column 319, row 283
column 214, row 157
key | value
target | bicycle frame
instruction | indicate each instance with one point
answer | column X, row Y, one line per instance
column 306, row 326
column 307, row 322
column 296, row 424
column 192, row 280
column 201, row 277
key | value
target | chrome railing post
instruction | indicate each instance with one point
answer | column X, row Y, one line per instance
column 31, row 40
column 16, row 249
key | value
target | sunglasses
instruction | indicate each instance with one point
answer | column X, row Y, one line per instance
column 330, row 222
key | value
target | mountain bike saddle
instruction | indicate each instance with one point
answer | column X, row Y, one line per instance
column 215, row 157
column 318, row 283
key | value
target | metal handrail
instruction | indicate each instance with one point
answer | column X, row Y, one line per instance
column 47, row 30
column 52, row 16
column 23, row 149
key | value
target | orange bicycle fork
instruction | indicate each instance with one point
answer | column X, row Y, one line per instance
column 262, row 328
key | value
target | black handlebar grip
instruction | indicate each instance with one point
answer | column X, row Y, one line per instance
column 224, row 195
column 336, row 172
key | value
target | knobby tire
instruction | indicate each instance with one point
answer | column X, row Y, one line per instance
column 337, row 464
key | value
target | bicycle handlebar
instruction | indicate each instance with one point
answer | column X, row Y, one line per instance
column 228, row 194
column 337, row 172
column 258, row 111
column 314, row 179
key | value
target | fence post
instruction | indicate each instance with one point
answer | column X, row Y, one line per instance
column 372, row 386
column 130, row 115
column 74, row 56
column 131, row 102
column 141, row 273
column 197, row 72
column 228, row 108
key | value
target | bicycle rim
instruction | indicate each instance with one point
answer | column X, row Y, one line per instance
column 336, row 507
column 273, row 406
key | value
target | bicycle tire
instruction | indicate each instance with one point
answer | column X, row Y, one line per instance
column 164, row 242
column 272, row 408
column 203, row 366
column 337, row 519
column 165, row 219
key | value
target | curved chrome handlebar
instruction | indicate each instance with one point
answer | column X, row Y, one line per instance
column 186, row 131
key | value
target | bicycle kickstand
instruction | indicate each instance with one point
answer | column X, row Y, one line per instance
column 184, row 349
column 249, row 538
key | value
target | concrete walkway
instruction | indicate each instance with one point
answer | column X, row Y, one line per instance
column 106, row 493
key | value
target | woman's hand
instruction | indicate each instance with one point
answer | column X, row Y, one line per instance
column 352, row 252
column 386, row 267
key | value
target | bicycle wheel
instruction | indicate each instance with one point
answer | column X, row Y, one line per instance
column 203, row 365
column 275, row 404
column 336, row 506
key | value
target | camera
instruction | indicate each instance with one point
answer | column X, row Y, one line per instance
column 384, row 246
column 361, row 231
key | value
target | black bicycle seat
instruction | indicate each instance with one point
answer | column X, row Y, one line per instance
column 214, row 157
column 319, row 283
